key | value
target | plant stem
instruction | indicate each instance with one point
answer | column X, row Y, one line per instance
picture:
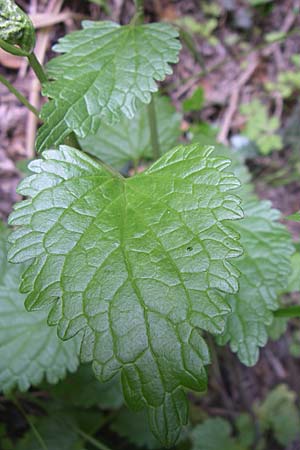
column 9, row 48
column 153, row 129
column 19, row 96
column 38, row 69
column 138, row 17
column 30, row 423
column 91, row 440
column 289, row 311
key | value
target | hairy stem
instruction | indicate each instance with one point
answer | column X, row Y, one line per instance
column 30, row 423
column 153, row 129
column 38, row 69
column 19, row 96
column 289, row 311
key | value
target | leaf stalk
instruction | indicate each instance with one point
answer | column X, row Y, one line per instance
column 18, row 95
column 289, row 311
column 37, row 68
column 153, row 129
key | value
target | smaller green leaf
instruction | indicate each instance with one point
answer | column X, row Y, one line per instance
column 245, row 319
column 265, row 267
column 129, row 140
column 195, row 102
column 279, row 413
column 16, row 29
column 102, row 72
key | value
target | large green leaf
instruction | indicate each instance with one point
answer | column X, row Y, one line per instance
column 29, row 349
column 140, row 264
column 129, row 140
column 104, row 70
column 264, row 267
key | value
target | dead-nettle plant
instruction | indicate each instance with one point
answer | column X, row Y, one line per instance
column 133, row 271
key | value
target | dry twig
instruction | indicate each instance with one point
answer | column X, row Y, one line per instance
column 234, row 98
column 42, row 42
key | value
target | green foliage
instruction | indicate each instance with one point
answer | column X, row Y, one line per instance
column 134, row 427
column 129, row 140
column 246, row 432
column 204, row 29
column 279, row 413
column 82, row 389
column 195, row 102
column 5, row 441
column 56, row 433
column 202, row 130
column 288, row 82
column 277, row 328
column 135, row 265
column 211, row 8
column 16, row 29
column 294, row 345
column 259, row 2
column 294, row 280
column 105, row 68
column 29, row 349
column 295, row 217
column 262, row 279
column 264, row 266
column 261, row 128
column 275, row 36
column 214, row 434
